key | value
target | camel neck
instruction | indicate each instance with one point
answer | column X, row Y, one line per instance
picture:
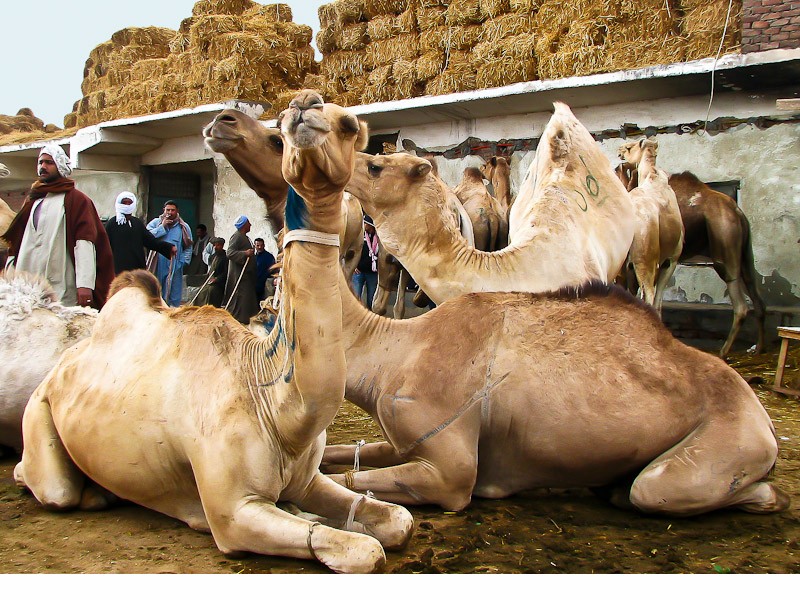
column 502, row 188
column 647, row 166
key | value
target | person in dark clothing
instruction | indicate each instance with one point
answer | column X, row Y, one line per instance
column 129, row 237
column 197, row 266
column 264, row 261
column 366, row 274
column 214, row 291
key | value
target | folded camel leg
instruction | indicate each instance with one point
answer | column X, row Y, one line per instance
column 390, row 524
column 46, row 468
column 374, row 454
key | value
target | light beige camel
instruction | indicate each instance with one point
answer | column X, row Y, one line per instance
column 235, row 134
column 497, row 171
column 489, row 223
column 35, row 329
column 6, row 216
column 578, row 219
column 202, row 421
column 392, row 277
column 658, row 237
column 491, row 394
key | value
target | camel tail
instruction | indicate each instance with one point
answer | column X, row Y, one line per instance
column 749, row 277
column 141, row 279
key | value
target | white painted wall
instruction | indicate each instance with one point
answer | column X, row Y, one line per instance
column 234, row 198
column 103, row 189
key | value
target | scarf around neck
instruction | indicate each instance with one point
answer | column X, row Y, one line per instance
column 40, row 189
column 372, row 247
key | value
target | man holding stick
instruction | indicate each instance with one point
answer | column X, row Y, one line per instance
column 240, row 289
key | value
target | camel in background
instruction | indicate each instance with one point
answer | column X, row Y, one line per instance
column 658, row 237
column 716, row 229
column 211, row 425
column 489, row 222
column 574, row 219
column 35, row 329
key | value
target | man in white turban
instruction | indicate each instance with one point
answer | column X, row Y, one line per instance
column 129, row 237
column 58, row 235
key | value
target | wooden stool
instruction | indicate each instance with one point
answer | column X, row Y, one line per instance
column 786, row 334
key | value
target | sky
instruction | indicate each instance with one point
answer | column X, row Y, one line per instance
column 45, row 43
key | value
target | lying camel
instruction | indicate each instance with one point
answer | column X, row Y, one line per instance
column 35, row 329
column 224, row 425
column 716, row 228
column 658, row 237
column 572, row 221
column 488, row 221
column 579, row 387
column 235, row 134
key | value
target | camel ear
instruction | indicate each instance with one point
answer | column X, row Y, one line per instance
column 420, row 170
column 493, row 161
column 363, row 136
column 642, row 142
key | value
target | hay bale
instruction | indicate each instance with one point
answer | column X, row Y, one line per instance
column 384, row 52
column 497, row 72
column 222, row 7
column 351, row 37
column 463, row 12
column 513, row 23
column 386, row 26
column 379, row 87
column 279, row 13
column 458, row 75
column 431, row 18
column 430, row 64
column 342, row 12
column 345, row 61
column 490, row 9
column 375, row 8
column 525, row 6
column 703, row 25
column 404, row 77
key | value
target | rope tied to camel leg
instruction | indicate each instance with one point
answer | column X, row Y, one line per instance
column 349, row 479
column 357, row 461
column 351, row 516
column 308, row 540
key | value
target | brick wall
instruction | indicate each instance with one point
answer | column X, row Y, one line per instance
column 770, row 24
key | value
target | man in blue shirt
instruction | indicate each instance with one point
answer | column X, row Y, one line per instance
column 264, row 260
column 171, row 228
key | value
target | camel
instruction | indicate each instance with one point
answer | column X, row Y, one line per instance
column 489, row 223
column 6, row 216
column 578, row 219
column 224, row 425
column 392, row 277
column 498, row 172
column 658, row 237
column 235, row 134
column 716, row 228
column 577, row 386
column 35, row 329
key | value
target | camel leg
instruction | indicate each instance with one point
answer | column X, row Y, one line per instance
column 736, row 292
column 712, row 468
column 390, row 524
column 646, row 276
column 415, row 483
column 400, row 301
column 375, row 454
column 662, row 281
column 46, row 468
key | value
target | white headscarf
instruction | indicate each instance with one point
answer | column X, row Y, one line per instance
column 59, row 157
column 124, row 209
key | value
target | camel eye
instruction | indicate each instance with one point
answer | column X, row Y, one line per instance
column 277, row 141
column 374, row 170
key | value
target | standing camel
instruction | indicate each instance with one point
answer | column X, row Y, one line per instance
column 202, row 421
column 658, row 237
column 488, row 222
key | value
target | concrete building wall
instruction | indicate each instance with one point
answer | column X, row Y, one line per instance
column 234, row 198
column 103, row 188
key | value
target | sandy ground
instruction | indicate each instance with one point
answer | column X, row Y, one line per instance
column 543, row 531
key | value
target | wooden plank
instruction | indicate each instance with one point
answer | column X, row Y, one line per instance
column 788, row 103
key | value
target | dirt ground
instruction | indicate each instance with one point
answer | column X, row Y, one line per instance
column 545, row 531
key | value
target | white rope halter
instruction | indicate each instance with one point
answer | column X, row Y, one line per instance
column 309, row 235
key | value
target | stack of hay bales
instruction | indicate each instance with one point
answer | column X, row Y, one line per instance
column 377, row 50
column 227, row 49
column 25, row 126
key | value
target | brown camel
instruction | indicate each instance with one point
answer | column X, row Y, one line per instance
column 578, row 219
column 658, row 237
column 211, row 425
column 489, row 223
column 576, row 388
column 715, row 228
column 392, row 277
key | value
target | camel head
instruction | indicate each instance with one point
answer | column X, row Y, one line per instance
column 321, row 141
column 496, row 164
column 631, row 153
column 474, row 175
column 255, row 152
column 385, row 183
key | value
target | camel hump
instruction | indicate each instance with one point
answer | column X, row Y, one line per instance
column 559, row 132
column 25, row 291
column 141, row 279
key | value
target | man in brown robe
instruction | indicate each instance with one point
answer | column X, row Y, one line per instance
column 240, row 288
column 58, row 235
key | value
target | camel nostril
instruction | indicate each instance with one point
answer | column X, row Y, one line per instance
column 226, row 119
